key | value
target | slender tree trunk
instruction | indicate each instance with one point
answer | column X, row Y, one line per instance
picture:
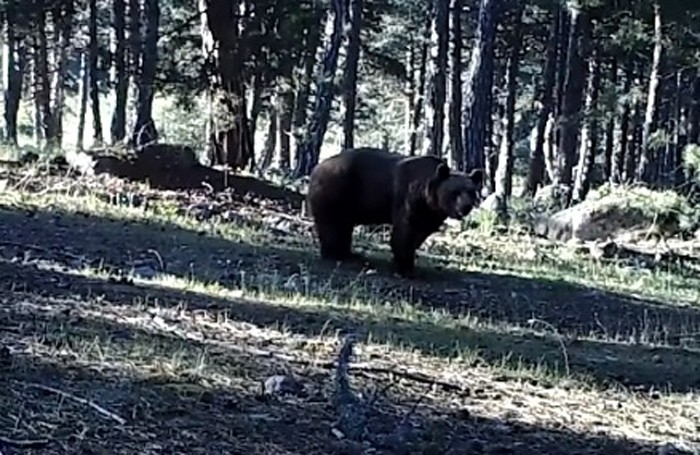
column 610, row 128
column 455, row 108
column 118, row 126
column 271, row 138
column 419, row 100
column 144, row 127
column 570, row 119
column 674, row 157
column 503, row 181
column 694, row 112
column 311, row 147
column 285, row 116
column 350, row 77
column 63, row 20
column 15, row 66
column 437, row 86
column 313, row 40
column 43, row 81
column 97, row 135
column 536, row 169
column 409, row 91
column 478, row 85
column 221, row 29
column 633, row 145
column 644, row 171
column 84, row 91
column 619, row 154
column 589, row 133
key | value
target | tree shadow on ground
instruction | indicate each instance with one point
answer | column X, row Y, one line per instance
column 572, row 310
column 173, row 402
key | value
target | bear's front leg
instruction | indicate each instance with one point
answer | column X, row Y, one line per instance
column 403, row 250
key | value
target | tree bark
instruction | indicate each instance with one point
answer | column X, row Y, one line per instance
column 303, row 92
column 350, row 77
column 311, row 147
column 93, row 50
column 437, row 86
column 455, row 108
column 479, row 84
column 574, row 87
column 617, row 174
column 644, row 171
column 503, row 182
column 118, row 126
column 589, row 133
column 694, row 112
column 63, row 24
column 42, row 74
column 419, row 99
column 536, row 168
column 84, row 94
column 145, row 132
column 610, row 128
column 15, row 66
column 231, row 140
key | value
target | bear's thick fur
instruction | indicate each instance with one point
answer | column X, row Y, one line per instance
column 370, row 186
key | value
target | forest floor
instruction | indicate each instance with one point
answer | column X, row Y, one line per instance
column 143, row 321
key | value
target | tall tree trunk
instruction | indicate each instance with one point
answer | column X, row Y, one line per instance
column 271, row 138
column 118, row 126
column 303, row 92
column 15, row 65
column 134, row 40
column 350, row 77
column 41, row 71
column 435, row 124
column 674, row 157
column 503, row 187
column 694, row 113
column 97, row 135
column 644, row 171
column 144, row 127
column 311, row 147
column 589, row 134
column 84, row 91
column 419, row 99
column 479, row 84
column 610, row 128
column 536, row 168
column 455, row 113
column 232, row 140
column 634, row 143
column 409, row 90
column 63, row 20
column 574, row 87
column 617, row 175
column 285, row 116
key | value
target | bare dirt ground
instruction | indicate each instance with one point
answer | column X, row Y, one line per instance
column 140, row 330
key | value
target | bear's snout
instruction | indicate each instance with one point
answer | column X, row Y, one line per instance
column 463, row 207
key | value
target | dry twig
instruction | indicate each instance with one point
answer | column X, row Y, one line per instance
column 80, row 400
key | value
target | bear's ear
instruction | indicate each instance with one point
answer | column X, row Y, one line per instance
column 442, row 172
column 477, row 176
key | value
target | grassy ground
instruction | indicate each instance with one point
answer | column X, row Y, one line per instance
column 133, row 321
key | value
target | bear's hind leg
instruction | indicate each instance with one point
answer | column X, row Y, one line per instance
column 335, row 240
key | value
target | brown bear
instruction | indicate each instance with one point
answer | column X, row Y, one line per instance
column 371, row 186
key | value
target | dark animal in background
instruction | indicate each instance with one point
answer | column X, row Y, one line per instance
column 370, row 186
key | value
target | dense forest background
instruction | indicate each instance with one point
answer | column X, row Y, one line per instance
column 571, row 93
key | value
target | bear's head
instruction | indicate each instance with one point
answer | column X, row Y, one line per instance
column 454, row 193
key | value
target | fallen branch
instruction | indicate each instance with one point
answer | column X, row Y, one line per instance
column 363, row 368
column 83, row 401
column 23, row 443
